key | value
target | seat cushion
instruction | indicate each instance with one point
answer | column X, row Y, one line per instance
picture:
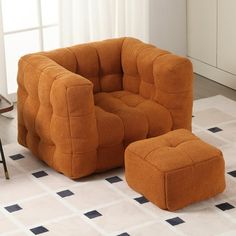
column 174, row 169
column 140, row 118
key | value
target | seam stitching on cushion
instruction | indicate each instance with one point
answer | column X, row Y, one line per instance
column 22, row 86
column 132, row 77
column 143, row 159
column 27, row 95
column 176, row 65
column 147, row 120
column 79, row 153
column 75, row 58
column 196, row 164
column 172, row 108
column 165, row 188
column 121, row 62
column 72, row 149
column 131, row 94
column 73, row 116
column 167, row 172
column 179, row 64
column 143, row 81
column 109, row 145
column 185, row 91
column 58, row 75
column 99, row 66
column 105, row 75
column 37, row 135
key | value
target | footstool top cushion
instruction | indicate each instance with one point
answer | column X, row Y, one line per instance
column 175, row 169
column 174, row 150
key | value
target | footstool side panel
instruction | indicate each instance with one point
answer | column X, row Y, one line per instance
column 192, row 184
column 145, row 179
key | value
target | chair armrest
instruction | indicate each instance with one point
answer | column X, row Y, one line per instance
column 73, row 116
column 56, row 114
column 173, row 78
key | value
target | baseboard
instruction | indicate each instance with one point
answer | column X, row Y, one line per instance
column 213, row 73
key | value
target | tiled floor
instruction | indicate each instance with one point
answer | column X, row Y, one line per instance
column 39, row 201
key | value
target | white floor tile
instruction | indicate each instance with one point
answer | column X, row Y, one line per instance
column 205, row 222
column 39, row 210
column 6, row 225
column 211, row 139
column 121, row 216
column 92, row 195
column 154, row 230
column 228, row 131
column 72, row 226
column 18, row 188
column 211, row 117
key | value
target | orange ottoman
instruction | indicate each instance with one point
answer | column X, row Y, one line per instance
column 175, row 169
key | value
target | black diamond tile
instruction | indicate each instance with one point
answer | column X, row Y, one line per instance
column 114, row 179
column 215, row 129
column 39, row 174
column 13, row 208
column 124, row 234
column 92, row 214
column 39, row 230
column 141, row 200
column 225, row 206
column 65, row 193
column 232, row 173
column 16, row 157
column 175, row 221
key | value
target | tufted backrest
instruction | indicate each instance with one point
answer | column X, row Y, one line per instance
column 137, row 64
column 113, row 64
column 99, row 62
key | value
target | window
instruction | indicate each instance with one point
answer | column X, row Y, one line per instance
column 26, row 26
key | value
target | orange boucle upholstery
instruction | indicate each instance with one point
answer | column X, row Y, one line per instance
column 174, row 169
column 79, row 107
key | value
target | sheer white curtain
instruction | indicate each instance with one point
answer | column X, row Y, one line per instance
column 91, row 20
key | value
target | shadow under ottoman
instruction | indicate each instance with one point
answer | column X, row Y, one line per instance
column 175, row 169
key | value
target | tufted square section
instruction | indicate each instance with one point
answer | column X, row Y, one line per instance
column 147, row 90
column 112, row 82
column 141, row 118
column 88, row 64
column 145, row 61
column 175, row 169
column 111, row 73
column 131, row 83
column 109, row 53
column 64, row 57
column 110, row 128
column 130, row 51
column 128, row 98
column 110, row 138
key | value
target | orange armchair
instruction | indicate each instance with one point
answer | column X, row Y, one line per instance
column 79, row 107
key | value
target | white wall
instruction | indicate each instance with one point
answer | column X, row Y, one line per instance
column 167, row 27
column 211, row 39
